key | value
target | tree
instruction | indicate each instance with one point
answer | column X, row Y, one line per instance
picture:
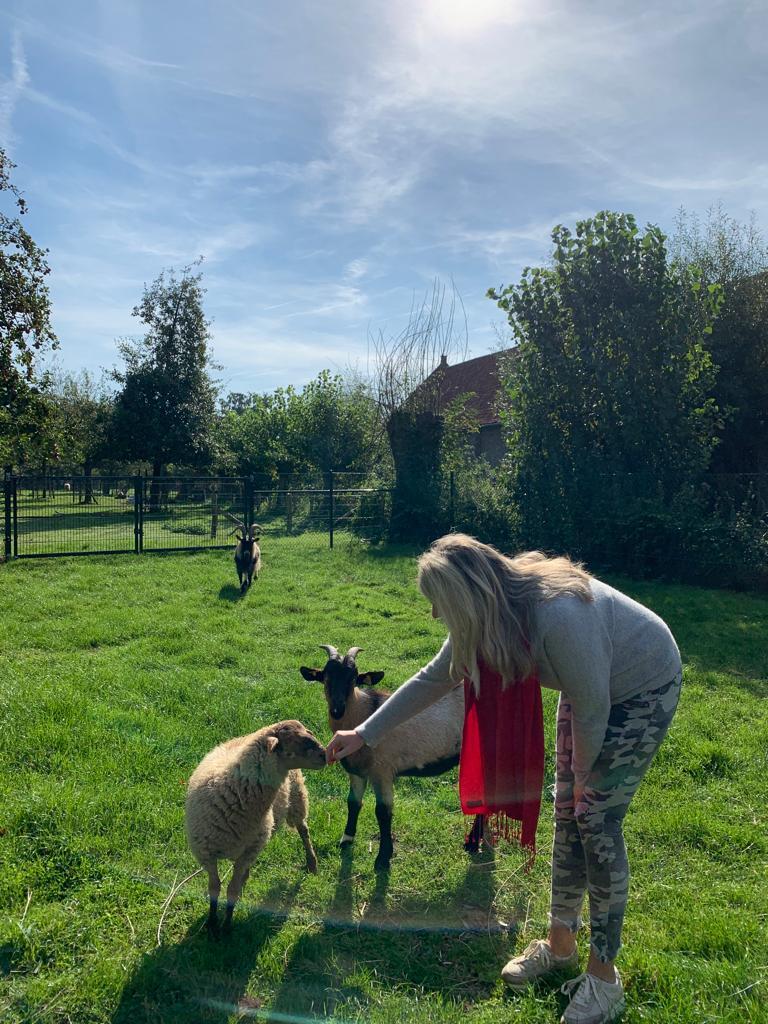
column 80, row 418
column 165, row 409
column 411, row 407
column 608, row 400
column 328, row 425
column 735, row 257
column 336, row 423
column 25, row 328
column 261, row 434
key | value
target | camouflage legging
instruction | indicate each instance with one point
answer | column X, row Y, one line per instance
column 588, row 851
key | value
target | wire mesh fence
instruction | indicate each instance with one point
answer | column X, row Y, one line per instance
column 48, row 515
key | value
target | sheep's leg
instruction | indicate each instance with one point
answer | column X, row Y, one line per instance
column 384, row 800
column 240, row 872
column 309, row 850
column 296, row 816
column 357, row 787
column 214, row 888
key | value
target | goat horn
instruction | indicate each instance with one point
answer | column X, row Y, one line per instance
column 236, row 520
column 353, row 652
column 332, row 652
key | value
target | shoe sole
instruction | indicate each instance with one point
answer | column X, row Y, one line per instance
column 546, row 975
column 616, row 1011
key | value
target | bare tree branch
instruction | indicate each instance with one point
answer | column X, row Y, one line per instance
column 405, row 363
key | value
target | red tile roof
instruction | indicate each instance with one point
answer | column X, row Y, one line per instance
column 480, row 375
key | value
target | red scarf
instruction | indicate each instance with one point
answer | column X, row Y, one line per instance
column 501, row 770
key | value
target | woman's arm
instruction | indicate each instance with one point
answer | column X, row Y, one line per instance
column 428, row 685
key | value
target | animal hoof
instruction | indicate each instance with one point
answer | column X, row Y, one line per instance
column 381, row 864
column 346, row 841
column 312, row 867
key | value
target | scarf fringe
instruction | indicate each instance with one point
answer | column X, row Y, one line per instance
column 490, row 828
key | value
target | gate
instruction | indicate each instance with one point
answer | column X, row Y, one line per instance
column 47, row 516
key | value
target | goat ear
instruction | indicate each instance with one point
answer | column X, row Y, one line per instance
column 272, row 744
column 312, row 675
column 370, row 678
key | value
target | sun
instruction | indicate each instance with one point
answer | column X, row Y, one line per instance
column 467, row 17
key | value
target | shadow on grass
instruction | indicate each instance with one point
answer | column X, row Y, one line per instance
column 203, row 980
column 455, row 949
column 229, row 592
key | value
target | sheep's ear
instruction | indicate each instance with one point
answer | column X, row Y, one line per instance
column 312, row 675
column 272, row 743
column 370, row 678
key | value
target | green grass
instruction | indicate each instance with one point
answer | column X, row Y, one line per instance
column 118, row 674
column 61, row 524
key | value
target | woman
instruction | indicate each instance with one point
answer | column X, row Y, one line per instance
column 618, row 671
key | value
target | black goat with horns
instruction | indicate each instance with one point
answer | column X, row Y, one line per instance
column 247, row 552
column 427, row 744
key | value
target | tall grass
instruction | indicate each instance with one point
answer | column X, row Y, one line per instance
column 118, row 674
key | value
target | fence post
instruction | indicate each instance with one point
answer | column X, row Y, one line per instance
column 15, row 500
column 451, row 501
column 7, row 478
column 248, row 495
column 138, row 515
column 331, row 508
column 289, row 512
column 214, row 509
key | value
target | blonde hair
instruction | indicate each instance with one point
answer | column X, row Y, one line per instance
column 488, row 601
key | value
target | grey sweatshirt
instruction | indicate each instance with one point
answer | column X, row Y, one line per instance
column 597, row 653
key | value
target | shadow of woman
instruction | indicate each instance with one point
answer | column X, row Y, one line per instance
column 455, row 949
column 200, row 980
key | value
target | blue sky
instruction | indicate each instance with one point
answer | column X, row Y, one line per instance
column 330, row 160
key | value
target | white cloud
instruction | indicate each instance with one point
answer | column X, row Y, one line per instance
column 356, row 269
column 12, row 89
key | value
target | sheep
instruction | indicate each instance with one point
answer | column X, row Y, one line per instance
column 239, row 795
column 247, row 553
column 428, row 744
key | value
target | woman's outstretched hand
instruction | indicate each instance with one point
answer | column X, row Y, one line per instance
column 342, row 745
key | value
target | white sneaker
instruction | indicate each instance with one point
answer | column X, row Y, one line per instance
column 536, row 961
column 593, row 1001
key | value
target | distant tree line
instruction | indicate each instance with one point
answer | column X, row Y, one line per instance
column 637, row 378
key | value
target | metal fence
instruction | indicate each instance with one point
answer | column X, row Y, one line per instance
column 46, row 516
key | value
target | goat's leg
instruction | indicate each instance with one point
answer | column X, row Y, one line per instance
column 214, row 888
column 357, row 787
column 384, row 791
column 476, row 835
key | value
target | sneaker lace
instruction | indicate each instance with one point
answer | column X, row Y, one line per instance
column 539, row 952
column 585, row 992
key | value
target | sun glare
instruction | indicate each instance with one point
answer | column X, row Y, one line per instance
column 461, row 17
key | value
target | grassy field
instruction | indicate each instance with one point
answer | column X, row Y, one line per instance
column 118, row 674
